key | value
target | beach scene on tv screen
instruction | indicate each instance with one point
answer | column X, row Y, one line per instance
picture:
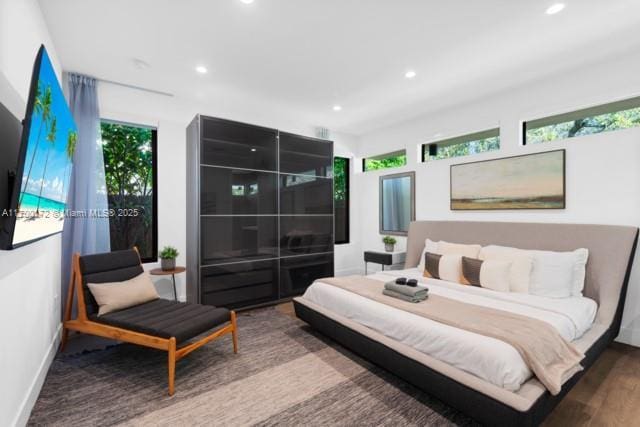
column 51, row 143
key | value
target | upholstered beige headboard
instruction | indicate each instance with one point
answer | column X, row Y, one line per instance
column 610, row 250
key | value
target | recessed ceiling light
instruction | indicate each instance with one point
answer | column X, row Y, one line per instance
column 410, row 74
column 555, row 8
column 201, row 69
column 246, row 1
column 253, row 149
column 337, row 108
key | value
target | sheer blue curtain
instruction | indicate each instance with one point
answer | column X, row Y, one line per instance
column 89, row 232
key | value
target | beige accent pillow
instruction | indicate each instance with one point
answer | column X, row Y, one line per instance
column 119, row 295
column 429, row 246
column 470, row 251
column 494, row 275
column 450, row 268
column 521, row 265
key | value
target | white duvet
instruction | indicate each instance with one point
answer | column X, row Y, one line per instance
column 488, row 358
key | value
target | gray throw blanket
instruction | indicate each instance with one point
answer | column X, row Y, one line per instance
column 410, row 291
column 413, row 299
column 549, row 356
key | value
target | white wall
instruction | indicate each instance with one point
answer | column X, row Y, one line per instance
column 603, row 174
column 29, row 276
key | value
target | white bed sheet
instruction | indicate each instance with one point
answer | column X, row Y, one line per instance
column 488, row 358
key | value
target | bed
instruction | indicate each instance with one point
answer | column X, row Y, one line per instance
column 478, row 375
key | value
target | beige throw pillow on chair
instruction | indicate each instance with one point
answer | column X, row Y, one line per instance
column 116, row 296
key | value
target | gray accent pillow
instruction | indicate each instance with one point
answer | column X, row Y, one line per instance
column 471, row 270
column 432, row 265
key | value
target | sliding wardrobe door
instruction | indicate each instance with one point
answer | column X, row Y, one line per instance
column 237, row 196
column 306, row 212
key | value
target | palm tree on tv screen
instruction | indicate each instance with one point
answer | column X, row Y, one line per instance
column 72, row 141
column 41, row 105
column 51, row 138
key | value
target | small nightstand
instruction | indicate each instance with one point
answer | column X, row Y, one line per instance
column 383, row 258
column 161, row 272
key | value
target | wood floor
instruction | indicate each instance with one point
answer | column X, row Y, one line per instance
column 607, row 395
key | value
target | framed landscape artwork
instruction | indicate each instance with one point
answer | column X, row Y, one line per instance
column 530, row 181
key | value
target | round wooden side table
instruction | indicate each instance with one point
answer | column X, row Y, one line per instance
column 161, row 272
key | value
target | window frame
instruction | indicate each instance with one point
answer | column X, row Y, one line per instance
column 401, row 152
column 581, row 113
column 461, row 139
column 154, row 177
column 347, row 185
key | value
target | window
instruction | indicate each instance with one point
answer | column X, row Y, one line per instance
column 603, row 118
column 385, row 161
column 465, row 145
column 131, row 176
column 341, row 199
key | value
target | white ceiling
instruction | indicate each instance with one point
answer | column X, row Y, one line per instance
column 304, row 56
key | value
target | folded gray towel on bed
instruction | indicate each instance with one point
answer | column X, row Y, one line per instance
column 404, row 297
column 411, row 291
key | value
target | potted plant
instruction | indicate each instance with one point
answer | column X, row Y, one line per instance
column 168, row 257
column 389, row 243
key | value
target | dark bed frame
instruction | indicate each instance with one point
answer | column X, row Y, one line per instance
column 474, row 404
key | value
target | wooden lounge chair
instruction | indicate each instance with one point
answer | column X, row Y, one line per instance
column 159, row 324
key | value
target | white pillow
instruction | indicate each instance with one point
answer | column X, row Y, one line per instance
column 494, row 275
column 579, row 271
column 470, row 251
column 450, row 268
column 429, row 246
column 521, row 265
column 558, row 274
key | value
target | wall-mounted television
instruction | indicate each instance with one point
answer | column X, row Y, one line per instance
column 36, row 203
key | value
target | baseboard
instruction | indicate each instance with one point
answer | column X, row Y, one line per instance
column 24, row 411
column 629, row 336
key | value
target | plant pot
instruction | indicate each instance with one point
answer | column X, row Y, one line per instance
column 388, row 247
column 168, row 264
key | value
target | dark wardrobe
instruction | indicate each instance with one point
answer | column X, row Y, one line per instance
column 259, row 213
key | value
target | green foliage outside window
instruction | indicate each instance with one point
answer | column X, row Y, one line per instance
column 585, row 126
column 341, row 199
column 394, row 161
column 128, row 165
column 463, row 148
column 340, row 165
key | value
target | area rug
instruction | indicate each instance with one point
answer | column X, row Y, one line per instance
column 285, row 374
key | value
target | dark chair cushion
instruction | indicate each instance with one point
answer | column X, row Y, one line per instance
column 99, row 263
column 107, row 267
column 166, row 319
